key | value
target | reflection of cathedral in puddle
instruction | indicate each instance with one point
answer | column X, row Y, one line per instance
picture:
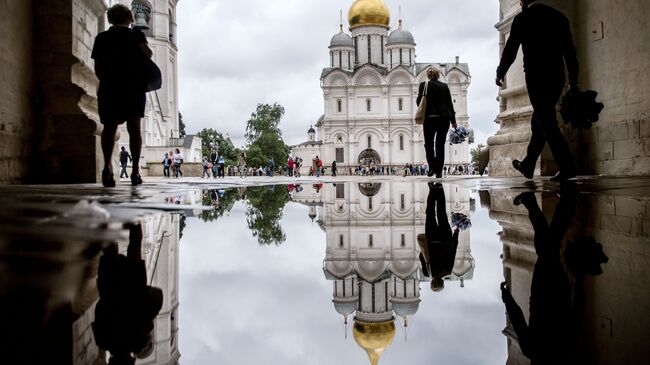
column 372, row 254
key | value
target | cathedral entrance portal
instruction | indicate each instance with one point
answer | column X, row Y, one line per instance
column 367, row 156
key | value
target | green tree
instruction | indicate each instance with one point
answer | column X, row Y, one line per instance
column 476, row 153
column 264, row 212
column 264, row 136
column 211, row 138
column 181, row 125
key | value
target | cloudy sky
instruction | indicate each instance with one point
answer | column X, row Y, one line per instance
column 242, row 303
column 236, row 54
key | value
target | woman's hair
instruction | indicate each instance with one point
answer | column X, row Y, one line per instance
column 178, row 151
column 433, row 73
column 119, row 14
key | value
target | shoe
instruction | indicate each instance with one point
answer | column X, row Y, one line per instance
column 430, row 173
column 563, row 176
column 525, row 197
column 107, row 178
column 519, row 167
column 136, row 179
column 438, row 176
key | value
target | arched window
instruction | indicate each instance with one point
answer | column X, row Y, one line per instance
column 400, row 104
column 370, row 243
column 368, row 105
column 339, row 105
column 369, row 141
column 401, row 142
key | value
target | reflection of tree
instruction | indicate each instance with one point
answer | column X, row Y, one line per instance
column 221, row 204
column 264, row 212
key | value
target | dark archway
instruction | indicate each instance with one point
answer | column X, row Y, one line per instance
column 369, row 155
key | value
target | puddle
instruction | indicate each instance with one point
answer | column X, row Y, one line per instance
column 355, row 273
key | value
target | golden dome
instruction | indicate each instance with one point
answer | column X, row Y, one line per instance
column 368, row 12
column 374, row 338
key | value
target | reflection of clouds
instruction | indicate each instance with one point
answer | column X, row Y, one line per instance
column 243, row 303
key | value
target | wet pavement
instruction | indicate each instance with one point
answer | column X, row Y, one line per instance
column 385, row 270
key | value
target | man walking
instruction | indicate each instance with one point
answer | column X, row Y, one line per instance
column 545, row 36
column 125, row 157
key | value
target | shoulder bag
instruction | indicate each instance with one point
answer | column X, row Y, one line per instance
column 421, row 112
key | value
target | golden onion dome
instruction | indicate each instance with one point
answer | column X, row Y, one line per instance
column 374, row 338
column 368, row 12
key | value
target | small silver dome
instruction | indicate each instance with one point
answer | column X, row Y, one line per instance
column 341, row 39
column 400, row 36
column 345, row 307
column 406, row 307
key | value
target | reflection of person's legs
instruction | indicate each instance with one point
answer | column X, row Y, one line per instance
column 538, row 220
column 135, row 142
column 441, row 212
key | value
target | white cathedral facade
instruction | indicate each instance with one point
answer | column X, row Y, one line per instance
column 369, row 91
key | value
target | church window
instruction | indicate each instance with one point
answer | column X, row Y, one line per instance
column 369, row 49
column 401, row 142
column 331, row 59
column 403, row 240
column 402, row 201
column 339, row 105
column 391, row 58
column 382, row 50
column 340, row 59
column 400, row 104
column 356, row 49
column 340, row 237
column 340, row 192
column 339, row 156
column 410, row 56
column 401, row 62
column 370, row 243
column 370, row 205
column 368, row 105
column 349, row 61
column 369, row 141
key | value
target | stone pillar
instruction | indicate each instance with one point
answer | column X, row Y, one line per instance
column 67, row 144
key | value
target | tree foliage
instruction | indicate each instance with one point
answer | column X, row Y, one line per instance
column 221, row 205
column 265, row 205
column 264, row 136
column 476, row 153
column 181, row 125
column 210, row 137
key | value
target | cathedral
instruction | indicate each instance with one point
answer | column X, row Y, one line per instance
column 369, row 92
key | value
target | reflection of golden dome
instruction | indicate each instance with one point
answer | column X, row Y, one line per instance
column 368, row 12
column 374, row 337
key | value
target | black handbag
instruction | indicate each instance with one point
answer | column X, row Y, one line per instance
column 152, row 75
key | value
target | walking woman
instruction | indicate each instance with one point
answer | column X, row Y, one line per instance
column 178, row 161
column 439, row 114
column 242, row 165
column 118, row 52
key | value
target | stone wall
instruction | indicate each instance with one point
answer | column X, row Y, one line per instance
column 613, row 45
column 16, row 92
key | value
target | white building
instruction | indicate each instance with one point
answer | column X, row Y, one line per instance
column 369, row 91
column 372, row 253
column 160, row 125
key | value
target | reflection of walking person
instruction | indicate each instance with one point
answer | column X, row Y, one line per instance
column 439, row 114
column 438, row 244
column 118, row 52
column 127, row 305
column 556, row 303
column 545, row 36
column 124, row 160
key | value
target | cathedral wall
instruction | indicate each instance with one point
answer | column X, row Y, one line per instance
column 16, row 94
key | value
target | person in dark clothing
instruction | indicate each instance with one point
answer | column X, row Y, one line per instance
column 214, row 159
column 118, row 54
column 124, row 160
column 334, row 170
column 556, row 303
column 127, row 306
column 438, row 244
column 439, row 114
column 545, row 37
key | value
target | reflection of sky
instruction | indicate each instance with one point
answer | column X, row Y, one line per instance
column 242, row 303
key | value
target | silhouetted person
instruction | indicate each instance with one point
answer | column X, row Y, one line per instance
column 127, row 305
column 118, row 54
column 439, row 114
column 551, row 334
column 545, row 36
column 438, row 244
column 124, row 160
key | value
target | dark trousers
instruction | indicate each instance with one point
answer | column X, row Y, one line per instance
column 544, row 94
column 166, row 171
column 221, row 171
column 123, row 170
column 435, row 135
